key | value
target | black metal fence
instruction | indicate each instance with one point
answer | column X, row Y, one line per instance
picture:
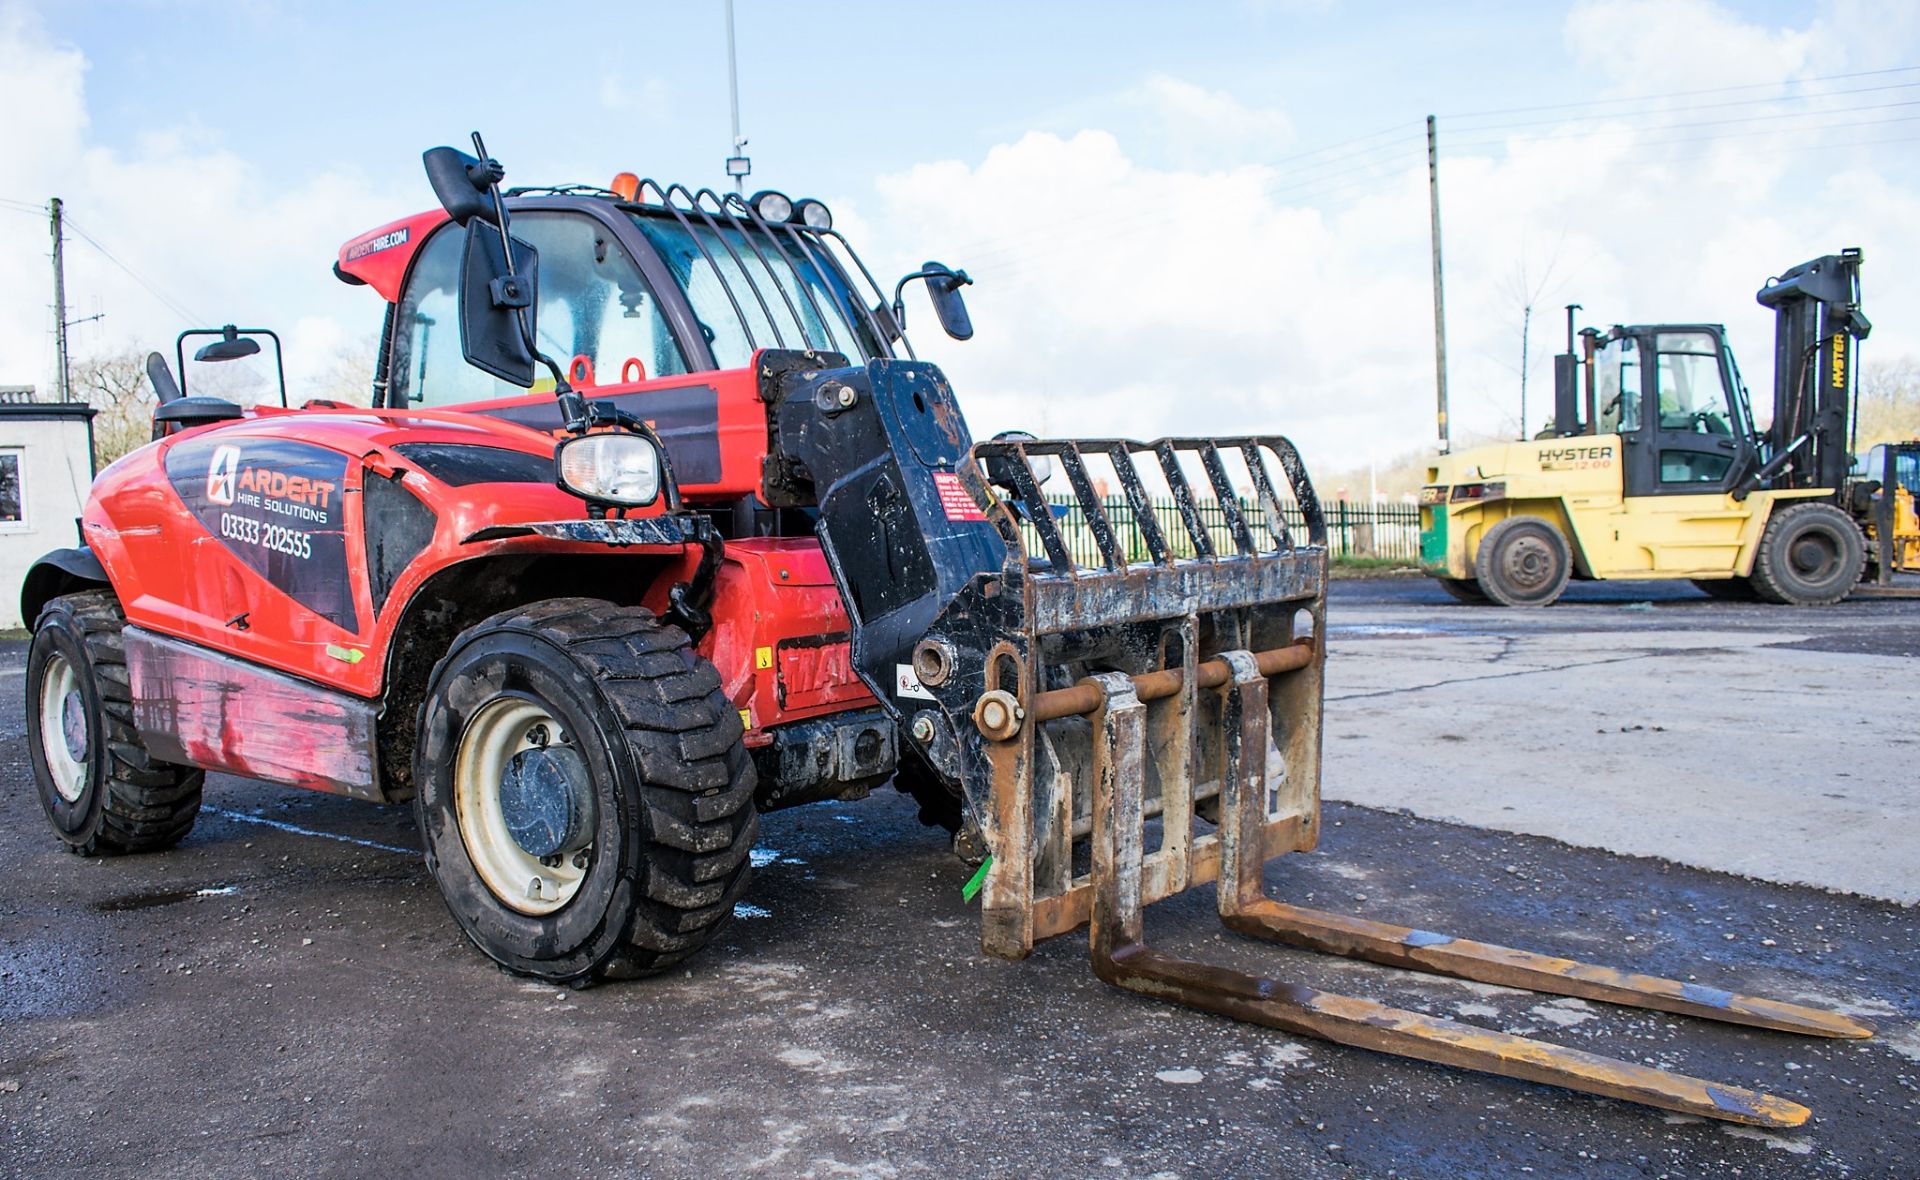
column 1353, row 530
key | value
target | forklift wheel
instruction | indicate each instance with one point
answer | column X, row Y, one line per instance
column 1810, row 555
column 1523, row 561
column 584, row 797
column 1465, row 589
column 104, row 794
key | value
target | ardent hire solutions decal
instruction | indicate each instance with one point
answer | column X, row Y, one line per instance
column 275, row 505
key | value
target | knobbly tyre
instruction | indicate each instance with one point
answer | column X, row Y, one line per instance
column 591, row 629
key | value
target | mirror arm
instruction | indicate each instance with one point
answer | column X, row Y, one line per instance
column 958, row 278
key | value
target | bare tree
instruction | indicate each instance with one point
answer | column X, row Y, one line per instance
column 348, row 375
column 1889, row 402
column 116, row 385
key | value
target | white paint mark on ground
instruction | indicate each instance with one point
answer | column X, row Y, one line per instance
column 810, row 1061
column 762, row 857
column 296, row 829
column 215, row 891
column 1485, row 991
column 1904, row 1041
column 1179, row 1077
column 1795, row 1145
column 1564, row 1012
column 1847, row 1005
column 742, row 909
column 1291, row 1055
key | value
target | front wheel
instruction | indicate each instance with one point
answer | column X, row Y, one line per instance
column 584, row 797
column 1523, row 561
column 1810, row 555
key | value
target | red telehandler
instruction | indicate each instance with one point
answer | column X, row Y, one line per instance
column 655, row 523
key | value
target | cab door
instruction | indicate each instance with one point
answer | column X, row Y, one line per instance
column 1688, row 447
column 1694, row 436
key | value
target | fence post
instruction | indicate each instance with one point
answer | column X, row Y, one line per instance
column 1363, row 534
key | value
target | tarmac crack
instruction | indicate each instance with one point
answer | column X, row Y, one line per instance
column 1625, row 659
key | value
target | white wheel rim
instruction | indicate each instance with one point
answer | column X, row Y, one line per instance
column 502, row 728
column 62, row 709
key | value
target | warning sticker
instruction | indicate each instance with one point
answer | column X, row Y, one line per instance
column 906, row 684
column 954, row 500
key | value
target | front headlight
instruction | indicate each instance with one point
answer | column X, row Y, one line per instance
column 611, row 468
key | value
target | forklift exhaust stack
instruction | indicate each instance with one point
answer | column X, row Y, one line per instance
column 1150, row 722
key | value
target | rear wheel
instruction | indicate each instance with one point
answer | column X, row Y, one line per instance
column 1810, row 555
column 1523, row 561
column 1465, row 589
column 584, row 797
column 100, row 788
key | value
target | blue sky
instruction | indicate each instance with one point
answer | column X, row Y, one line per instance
column 1167, row 230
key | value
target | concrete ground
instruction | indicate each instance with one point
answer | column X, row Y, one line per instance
column 284, row 994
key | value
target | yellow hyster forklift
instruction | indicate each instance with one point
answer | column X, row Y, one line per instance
column 1654, row 468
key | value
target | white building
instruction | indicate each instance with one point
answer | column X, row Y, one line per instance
column 46, row 466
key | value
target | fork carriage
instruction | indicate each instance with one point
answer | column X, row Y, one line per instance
column 1150, row 721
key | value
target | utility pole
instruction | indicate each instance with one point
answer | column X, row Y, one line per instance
column 738, row 165
column 1439, row 289
column 62, row 381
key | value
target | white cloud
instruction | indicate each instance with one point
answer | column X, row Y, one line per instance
column 194, row 220
column 1116, row 297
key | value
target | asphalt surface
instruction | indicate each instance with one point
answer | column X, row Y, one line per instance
column 285, row 994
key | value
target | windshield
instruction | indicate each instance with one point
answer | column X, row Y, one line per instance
column 594, row 304
column 759, row 290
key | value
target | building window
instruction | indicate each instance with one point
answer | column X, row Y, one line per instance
column 12, row 510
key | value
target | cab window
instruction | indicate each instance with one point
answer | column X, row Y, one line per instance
column 593, row 303
column 1616, row 382
column 1692, row 386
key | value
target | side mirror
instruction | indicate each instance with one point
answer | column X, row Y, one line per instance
column 498, row 305
column 462, row 183
column 943, row 287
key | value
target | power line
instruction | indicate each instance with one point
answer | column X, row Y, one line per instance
column 1691, row 108
column 1493, row 143
column 1563, row 106
column 181, row 309
column 1011, row 243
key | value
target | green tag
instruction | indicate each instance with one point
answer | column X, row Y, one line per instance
column 346, row 654
column 971, row 889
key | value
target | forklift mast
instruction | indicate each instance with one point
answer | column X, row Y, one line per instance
column 1817, row 314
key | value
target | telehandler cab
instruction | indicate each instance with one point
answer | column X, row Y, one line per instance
column 1660, row 471
column 589, row 631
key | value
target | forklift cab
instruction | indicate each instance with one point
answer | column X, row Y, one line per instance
column 1673, row 395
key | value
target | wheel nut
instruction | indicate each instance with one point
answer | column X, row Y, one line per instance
column 923, row 729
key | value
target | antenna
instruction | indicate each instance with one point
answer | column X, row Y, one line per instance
column 738, row 165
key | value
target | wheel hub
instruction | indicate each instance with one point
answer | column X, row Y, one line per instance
column 73, row 725
column 1528, row 563
column 546, row 799
column 523, row 799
